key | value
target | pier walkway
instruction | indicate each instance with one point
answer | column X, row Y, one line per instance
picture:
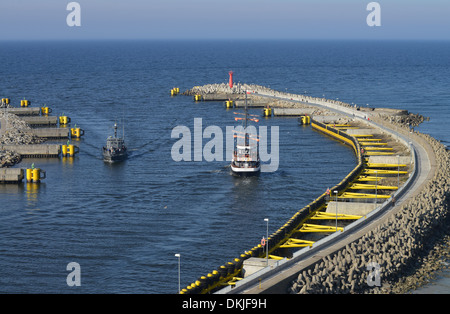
column 277, row 278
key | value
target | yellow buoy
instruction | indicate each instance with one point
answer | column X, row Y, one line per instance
column 198, row 97
column 69, row 150
column 229, row 104
column 64, row 120
column 35, row 175
column 45, row 111
column 76, row 132
column 24, row 103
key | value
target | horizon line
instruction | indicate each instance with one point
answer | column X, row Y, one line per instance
column 225, row 39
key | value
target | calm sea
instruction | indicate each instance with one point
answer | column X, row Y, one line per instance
column 123, row 223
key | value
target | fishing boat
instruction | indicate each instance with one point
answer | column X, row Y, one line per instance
column 245, row 160
column 115, row 149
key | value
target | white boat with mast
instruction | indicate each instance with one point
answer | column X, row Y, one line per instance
column 245, row 160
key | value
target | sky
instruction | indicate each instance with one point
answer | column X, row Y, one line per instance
column 224, row 19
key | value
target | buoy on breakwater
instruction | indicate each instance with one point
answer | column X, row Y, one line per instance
column 63, row 120
column 45, row 111
column 35, row 175
column 69, row 150
column 197, row 97
column 5, row 101
column 24, row 103
column 76, row 132
column 174, row 91
column 267, row 112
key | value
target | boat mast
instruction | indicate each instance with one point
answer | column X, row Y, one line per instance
column 245, row 109
column 246, row 117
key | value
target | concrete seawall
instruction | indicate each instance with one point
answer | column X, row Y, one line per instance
column 34, row 150
column 399, row 239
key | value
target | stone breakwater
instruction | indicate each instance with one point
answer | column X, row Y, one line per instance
column 14, row 132
column 401, row 117
column 397, row 246
column 408, row 246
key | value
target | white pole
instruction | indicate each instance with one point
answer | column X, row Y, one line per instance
column 179, row 275
column 267, row 241
column 398, row 171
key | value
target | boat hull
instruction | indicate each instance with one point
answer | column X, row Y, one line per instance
column 111, row 158
column 246, row 171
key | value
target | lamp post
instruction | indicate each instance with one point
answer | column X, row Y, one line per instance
column 179, row 279
column 267, row 240
column 336, row 193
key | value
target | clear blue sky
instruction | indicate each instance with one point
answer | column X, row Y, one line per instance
column 224, row 19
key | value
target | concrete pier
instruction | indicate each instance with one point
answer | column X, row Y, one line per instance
column 34, row 150
column 24, row 111
column 11, row 175
column 51, row 133
column 38, row 121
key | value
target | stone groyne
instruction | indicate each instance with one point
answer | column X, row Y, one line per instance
column 14, row 131
column 407, row 246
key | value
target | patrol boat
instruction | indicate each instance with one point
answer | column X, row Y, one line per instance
column 245, row 160
column 115, row 149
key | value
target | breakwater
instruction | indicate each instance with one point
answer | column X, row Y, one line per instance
column 14, row 131
column 396, row 245
column 19, row 140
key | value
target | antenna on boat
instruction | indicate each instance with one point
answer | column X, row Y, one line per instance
column 123, row 121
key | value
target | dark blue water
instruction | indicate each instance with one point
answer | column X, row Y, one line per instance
column 124, row 223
